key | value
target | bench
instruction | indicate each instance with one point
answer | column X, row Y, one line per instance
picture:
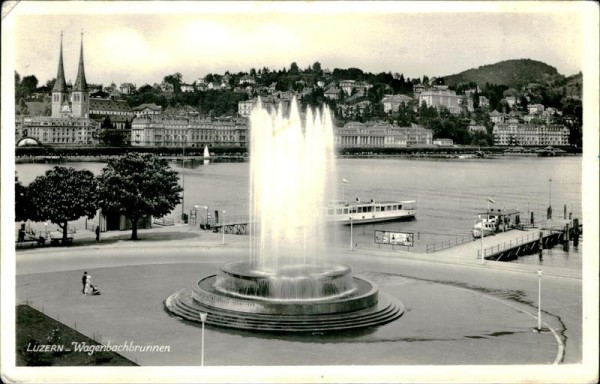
column 59, row 241
column 30, row 240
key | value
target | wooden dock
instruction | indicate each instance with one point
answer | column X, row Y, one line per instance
column 506, row 246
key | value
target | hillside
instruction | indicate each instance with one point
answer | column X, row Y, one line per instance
column 513, row 73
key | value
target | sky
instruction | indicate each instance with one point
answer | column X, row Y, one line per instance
column 141, row 42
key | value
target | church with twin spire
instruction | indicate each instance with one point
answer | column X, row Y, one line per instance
column 70, row 122
column 77, row 103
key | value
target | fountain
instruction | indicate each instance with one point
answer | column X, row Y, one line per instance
column 287, row 283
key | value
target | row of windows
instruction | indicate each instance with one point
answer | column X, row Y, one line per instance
column 363, row 209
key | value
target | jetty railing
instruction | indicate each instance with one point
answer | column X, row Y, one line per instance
column 438, row 246
column 497, row 248
column 165, row 221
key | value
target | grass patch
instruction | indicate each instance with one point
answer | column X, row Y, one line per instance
column 37, row 332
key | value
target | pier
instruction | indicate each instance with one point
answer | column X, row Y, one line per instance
column 232, row 226
column 506, row 246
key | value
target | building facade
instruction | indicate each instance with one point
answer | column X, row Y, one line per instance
column 118, row 111
column 514, row 133
column 381, row 135
column 439, row 98
column 187, row 131
column 65, row 131
column 245, row 107
column 391, row 103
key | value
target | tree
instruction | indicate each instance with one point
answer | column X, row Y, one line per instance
column 29, row 85
column 174, row 79
column 137, row 185
column 316, row 67
column 63, row 194
column 22, row 206
column 294, row 68
column 50, row 83
column 106, row 123
column 112, row 137
column 23, row 110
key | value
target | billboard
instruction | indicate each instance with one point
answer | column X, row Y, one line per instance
column 394, row 238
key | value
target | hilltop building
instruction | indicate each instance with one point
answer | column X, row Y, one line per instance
column 391, row 103
column 245, row 107
column 439, row 98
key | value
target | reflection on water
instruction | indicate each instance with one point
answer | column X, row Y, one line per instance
column 449, row 193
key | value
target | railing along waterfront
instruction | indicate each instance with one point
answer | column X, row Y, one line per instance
column 165, row 221
column 438, row 246
column 497, row 248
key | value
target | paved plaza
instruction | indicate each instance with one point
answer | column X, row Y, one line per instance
column 456, row 312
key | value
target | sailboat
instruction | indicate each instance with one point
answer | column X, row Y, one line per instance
column 206, row 155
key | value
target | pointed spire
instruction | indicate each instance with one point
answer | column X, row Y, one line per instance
column 60, row 85
column 80, row 83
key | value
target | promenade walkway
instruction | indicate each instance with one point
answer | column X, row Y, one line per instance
column 458, row 311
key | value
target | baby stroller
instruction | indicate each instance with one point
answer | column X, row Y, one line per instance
column 95, row 291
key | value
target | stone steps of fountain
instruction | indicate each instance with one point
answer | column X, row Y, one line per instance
column 182, row 305
column 189, row 304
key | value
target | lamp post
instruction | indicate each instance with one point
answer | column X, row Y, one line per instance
column 223, row 227
column 539, row 300
column 202, row 319
column 195, row 214
column 351, row 242
column 205, row 207
column 482, row 230
column 549, row 199
column 182, row 179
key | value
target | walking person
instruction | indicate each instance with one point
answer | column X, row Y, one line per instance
column 88, row 285
column 98, row 234
column 22, row 233
column 84, row 281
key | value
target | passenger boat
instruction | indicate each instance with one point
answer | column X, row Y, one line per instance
column 487, row 224
column 496, row 220
column 340, row 211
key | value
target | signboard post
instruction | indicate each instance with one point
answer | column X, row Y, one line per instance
column 394, row 238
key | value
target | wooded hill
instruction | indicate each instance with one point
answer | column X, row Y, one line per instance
column 512, row 73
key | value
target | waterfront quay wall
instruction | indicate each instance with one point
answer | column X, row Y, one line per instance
column 32, row 154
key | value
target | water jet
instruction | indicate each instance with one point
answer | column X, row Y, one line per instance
column 287, row 284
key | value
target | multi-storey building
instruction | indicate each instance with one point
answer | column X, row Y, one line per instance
column 535, row 109
column 245, row 107
column 441, row 98
column 188, row 131
column 514, row 133
column 60, row 130
column 381, row 135
column 391, row 103
column 147, row 109
column 118, row 111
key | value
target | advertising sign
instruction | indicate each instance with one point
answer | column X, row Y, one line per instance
column 394, row 238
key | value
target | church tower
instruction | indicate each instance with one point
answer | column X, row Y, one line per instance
column 59, row 92
column 80, row 98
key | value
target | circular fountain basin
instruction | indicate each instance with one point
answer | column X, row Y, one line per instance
column 306, row 298
column 297, row 283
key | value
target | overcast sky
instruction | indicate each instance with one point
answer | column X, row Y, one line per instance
column 142, row 42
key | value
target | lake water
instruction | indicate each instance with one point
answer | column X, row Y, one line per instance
column 449, row 193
